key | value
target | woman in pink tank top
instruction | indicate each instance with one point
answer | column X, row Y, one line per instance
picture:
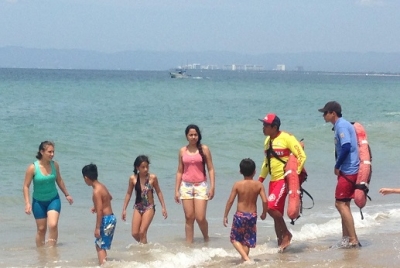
column 191, row 185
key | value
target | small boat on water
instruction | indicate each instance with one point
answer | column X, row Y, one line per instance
column 179, row 74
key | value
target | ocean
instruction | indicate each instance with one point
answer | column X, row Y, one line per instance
column 110, row 117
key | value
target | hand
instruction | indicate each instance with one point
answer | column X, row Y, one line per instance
column 123, row 217
column 93, row 210
column 28, row 209
column 263, row 216
column 177, row 198
column 70, row 199
column 164, row 213
column 97, row 232
column 261, row 179
column 385, row 191
column 225, row 221
column 336, row 171
column 211, row 194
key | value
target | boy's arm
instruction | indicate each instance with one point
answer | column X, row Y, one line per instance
column 264, row 203
column 98, row 206
column 229, row 204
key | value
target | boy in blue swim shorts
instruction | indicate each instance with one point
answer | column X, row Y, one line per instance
column 244, row 231
column 105, row 219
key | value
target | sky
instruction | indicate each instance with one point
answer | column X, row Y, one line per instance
column 242, row 26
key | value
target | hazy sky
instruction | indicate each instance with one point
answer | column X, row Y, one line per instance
column 245, row 26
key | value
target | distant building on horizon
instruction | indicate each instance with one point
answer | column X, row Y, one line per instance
column 211, row 67
column 228, row 67
column 253, row 67
column 280, row 67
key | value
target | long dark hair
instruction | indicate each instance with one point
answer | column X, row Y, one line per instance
column 138, row 161
column 199, row 147
column 43, row 145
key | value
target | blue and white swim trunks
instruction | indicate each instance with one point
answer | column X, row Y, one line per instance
column 107, row 229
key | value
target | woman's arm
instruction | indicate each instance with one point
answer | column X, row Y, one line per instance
column 211, row 172
column 61, row 184
column 25, row 189
column 178, row 178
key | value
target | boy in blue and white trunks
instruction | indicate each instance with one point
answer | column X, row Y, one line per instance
column 244, row 231
column 105, row 219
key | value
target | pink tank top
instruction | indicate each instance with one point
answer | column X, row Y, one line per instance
column 193, row 170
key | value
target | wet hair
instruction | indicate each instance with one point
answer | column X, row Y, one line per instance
column 247, row 167
column 199, row 147
column 90, row 171
column 43, row 145
column 138, row 161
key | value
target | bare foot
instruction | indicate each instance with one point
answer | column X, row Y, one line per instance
column 249, row 262
column 285, row 241
column 354, row 244
column 206, row 239
column 279, row 241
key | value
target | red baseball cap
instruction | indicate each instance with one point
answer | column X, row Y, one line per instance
column 271, row 119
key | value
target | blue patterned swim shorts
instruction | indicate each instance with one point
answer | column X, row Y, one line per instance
column 107, row 229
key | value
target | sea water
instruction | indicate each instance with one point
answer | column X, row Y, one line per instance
column 110, row 117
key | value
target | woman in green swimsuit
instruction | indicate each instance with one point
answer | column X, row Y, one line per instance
column 46, row 204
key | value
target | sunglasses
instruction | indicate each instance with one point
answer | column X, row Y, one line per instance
column 325, row 113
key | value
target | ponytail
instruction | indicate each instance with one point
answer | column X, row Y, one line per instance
column 139, row 160
column 138, row 187
column 203, row 157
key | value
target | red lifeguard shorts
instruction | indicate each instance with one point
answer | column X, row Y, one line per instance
column 277, row 193
column 345, row 187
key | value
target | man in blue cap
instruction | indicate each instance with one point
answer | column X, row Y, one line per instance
column 346, row 169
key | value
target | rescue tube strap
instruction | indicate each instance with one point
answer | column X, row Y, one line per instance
column 270, row 152
column 302, row 190
column 362, row 186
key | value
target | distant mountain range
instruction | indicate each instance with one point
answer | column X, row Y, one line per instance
column 19, row 57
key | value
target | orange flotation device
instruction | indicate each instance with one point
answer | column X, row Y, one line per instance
column 364, row 170
column 293, row 184
column 295, row 191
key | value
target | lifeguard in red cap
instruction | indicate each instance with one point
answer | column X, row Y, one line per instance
column 277, row 147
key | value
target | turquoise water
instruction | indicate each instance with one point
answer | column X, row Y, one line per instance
column 110, row 117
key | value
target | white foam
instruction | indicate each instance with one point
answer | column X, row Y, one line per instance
column 188, row 257
column 313, row 231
